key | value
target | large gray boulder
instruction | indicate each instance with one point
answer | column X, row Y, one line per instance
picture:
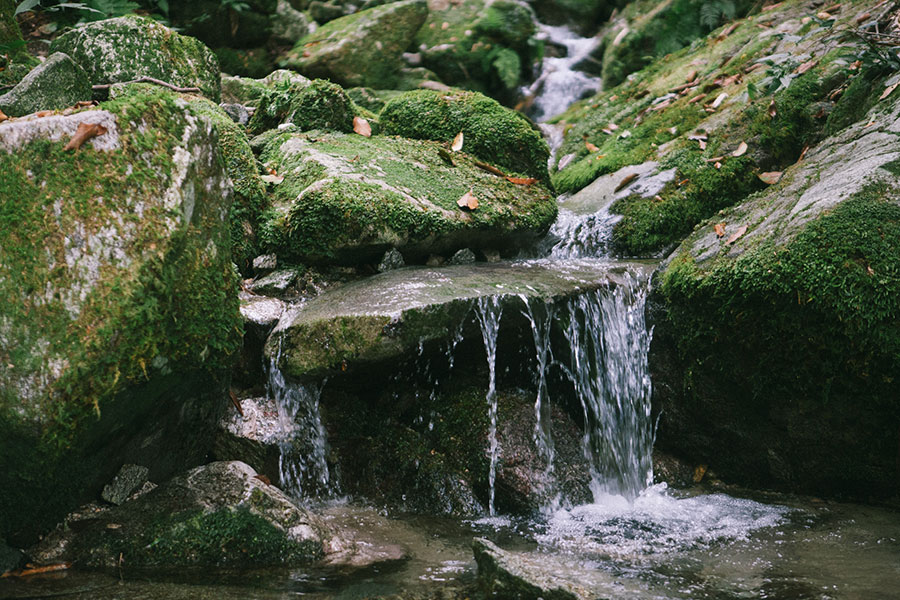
column 55, row 84
column 122, row 312
column 127, row 48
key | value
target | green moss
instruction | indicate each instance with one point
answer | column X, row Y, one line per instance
column 820, row 316
column 223, row 537
column 857, row 99
column 322, row 105
column 794, row 125
column 492, row 132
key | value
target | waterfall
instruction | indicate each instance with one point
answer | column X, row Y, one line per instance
column 488, row 311
column 303, row 468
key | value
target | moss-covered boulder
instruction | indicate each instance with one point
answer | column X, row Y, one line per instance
column 744, row 101
column 15, row 62
column 348, row 199
column 127, row 48
column 362, row 49
column 490, row 131
column 776, row 350
column 55, row 84
column 485, row 46
column 215, row 515
column 249, row 92
column 122, row 316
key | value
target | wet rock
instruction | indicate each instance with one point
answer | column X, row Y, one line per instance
column 347, row 199
column 276, row 283
column 391, row 260
column 138, row 318
column 253, row 437
column 126, row 48
column 126, row 482
column 55, row 84
column 237, row 112
column 265, row 264
column 385, row 316
column 517, row 576
column 362, row 49
column 462, row 257
column 261, row 312
column 214, row 515
column 787, row 325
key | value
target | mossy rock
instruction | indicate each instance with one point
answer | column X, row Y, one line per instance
column 216, row 515
column 322, row 105
column 348, row 198
column 491, row 132
column 116, row 266
column 253, row 62
column 249, row 92
column 776, row 353
column 127, row 48
column 55, row 84
column 485, row 46
column 362, row 49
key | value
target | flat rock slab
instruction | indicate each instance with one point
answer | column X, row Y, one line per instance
column 384, row 316
column 523, row 576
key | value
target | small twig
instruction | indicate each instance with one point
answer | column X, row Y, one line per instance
column 180, row 90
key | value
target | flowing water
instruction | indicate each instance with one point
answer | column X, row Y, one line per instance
column 488, row 311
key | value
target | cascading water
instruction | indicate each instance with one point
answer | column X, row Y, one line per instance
column 303, row 468
column 488, row 311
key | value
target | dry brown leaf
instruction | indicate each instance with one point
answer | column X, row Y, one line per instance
column 734, row 236
column 741, row 150
column 625, row 181
column 803, row 153
column 699, row 472
column 468, row 201
column 770, row 177
column 824, row 16
column 719, row 100
column 84, row 132
column 522, row 180
column 591, row 147
column 457, row 144
column 720, row 229
column 3, row 117
column 692, row 76
column 718, row 165
column 703, row 144
column 806, row 67
column 362, row 127
column 263, row 478
column 863, row 17
column 43, row 113
column 488, row 168
column 599, row 156
column 697, row 98
column 888, row 90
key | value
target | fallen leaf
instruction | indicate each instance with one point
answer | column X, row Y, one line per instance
column 457, row 144
column 273, row 179
column 870, row 270
column 888, row 90
column 728, row 31
column 488, row 168
column 824, row 16
column 692, row 76
column 734, row 236
column 697, row 98
column 714, row 159
column 741, row 150
column 84, row 132
column 719, row 100
column 521, row 180
column 591, row 147
column 362, row 127
column 803, row 153
column 770, row 177
column 32, row 570
column 718, row 165
column 720, row 229
column 806, row 67
column 625, row 135
column 625, row 181
column 773, row 109
column 862, row 18
column 43, row 113
column 263, row 478
column 3, row 117
column 468, row 201
column 699, row 472
column 599, row 156
column 703, row 144
column 683, row 182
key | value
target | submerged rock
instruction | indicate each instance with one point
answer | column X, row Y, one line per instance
column 126, row 48
column 777, row 345
column 54, row 84
column 121, row 311
column 220, row 514
column 348, row 199
column 361, row 49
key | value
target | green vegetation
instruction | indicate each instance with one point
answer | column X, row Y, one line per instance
column 492, row 133
column 322, row 105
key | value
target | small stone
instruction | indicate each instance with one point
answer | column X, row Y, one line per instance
column 238, row 113
column 434, row 260
column 392, row 260
column 275, row 284
column 265, row 263
column 462, row 257
column 129, row 479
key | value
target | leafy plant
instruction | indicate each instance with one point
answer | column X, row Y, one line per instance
column 715, row 12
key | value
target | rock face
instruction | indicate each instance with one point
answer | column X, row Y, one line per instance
column 57, row 83
column 516, row 576
column 220, row 514
column 362, row 49
column 347, row 198
column 122, row 312
column 777, row 346
column 126, row 48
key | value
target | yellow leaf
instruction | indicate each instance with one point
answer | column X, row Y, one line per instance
column 362, row 127
column 468, row 201
column 457, row 144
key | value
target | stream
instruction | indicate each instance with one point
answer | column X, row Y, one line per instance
column 633, row 540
